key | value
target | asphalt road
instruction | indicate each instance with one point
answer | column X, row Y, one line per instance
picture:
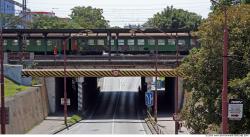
column 116, row 111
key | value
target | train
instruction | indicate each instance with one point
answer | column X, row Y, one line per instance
column 125, row 43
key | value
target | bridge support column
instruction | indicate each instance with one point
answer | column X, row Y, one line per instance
column 170, row 90
column 89, row 92
column 143, row 89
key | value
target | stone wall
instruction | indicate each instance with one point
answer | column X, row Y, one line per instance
column 27, row 109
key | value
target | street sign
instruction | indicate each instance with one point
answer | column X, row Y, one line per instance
column 149, row 98
column 7, row 119
column 235, row 109
column 68, row 101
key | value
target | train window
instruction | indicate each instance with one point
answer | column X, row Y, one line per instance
column 151, row 42
column 131, row 42
column 49, row 43
column 171, row 41
column 193, row 42
column 181, row 42
column 38, row 42
column 5, row 42
column 27, row 42
column 15, row 42
column 112, row 42
column 121, row 42
column 141, row 42
column 100, row 42
column 161, row 42
column 91, row 42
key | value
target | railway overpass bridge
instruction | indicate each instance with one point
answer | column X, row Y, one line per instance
column 84, row 76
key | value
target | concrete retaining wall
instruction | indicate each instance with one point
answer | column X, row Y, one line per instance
column 51, row 90
column 26, row 110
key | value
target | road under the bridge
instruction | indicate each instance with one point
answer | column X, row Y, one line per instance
column 118, row 108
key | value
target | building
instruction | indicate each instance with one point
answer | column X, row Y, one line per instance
column 37, row 13
column 7, row 7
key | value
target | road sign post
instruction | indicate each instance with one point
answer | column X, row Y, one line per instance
column 149, row 99
column 235, row 109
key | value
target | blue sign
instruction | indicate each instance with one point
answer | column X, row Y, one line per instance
column 149, row 98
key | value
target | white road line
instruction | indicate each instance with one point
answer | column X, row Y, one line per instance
column 113, row 121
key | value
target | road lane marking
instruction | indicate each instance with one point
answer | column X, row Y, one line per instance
column 113, row 121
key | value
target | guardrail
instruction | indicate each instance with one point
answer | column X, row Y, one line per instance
column 154, row 124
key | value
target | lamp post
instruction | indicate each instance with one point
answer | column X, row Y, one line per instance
column 65, row 82
column 176, row 88
column 224, row 93
column 3, row 129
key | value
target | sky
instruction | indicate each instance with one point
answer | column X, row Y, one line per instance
column 121, row 12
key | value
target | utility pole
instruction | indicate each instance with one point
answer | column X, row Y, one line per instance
column 224, row 93
column 176, row 87
column 156, row 74
column 225, row 73
column 65, row 84
column 3, row 129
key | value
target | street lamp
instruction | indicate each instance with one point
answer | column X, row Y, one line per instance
column 2, row 83
column 225, row 73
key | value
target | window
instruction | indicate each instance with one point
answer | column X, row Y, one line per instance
column 161, row 42
column 112, row 42
column 5, row 42
column 171, row 41
column 15, row 42
column 100, row 42
column 49, row 43
column 151, row 42
column 141, row 42
column 38, row 42
column 181, row 42
column 121, row 42
column 91, row 42
column 27, row 42
column 131, row 42
column 193, row 42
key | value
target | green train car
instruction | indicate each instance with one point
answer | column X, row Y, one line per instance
column 97, row 44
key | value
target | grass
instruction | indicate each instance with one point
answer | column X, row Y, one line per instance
column 74, row 119
column 12, row 88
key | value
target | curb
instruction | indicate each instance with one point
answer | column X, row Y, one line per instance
column 64, row 127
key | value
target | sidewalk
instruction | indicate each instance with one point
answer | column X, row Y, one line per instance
column 167, row 124
column 50, row 125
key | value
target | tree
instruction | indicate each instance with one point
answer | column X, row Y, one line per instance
column 174, row 18
column 11, row 20
column 46, row 22
column 203, row 68
column 88, row 17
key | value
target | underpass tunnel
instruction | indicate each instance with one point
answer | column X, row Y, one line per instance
column 72, row 94
column 82, row 92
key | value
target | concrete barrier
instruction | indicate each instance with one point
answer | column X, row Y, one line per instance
column 27, row 109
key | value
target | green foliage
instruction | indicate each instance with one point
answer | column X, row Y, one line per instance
column 203, row 68
column 9, row 20
column 74, row 119
column 241, row 89
column 174, row 18
column 11, row 88
column 88, row 17
column 46, row 22
column 81, row 18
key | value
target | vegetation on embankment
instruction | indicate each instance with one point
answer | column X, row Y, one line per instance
column 203, row 68
column 12, row 88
